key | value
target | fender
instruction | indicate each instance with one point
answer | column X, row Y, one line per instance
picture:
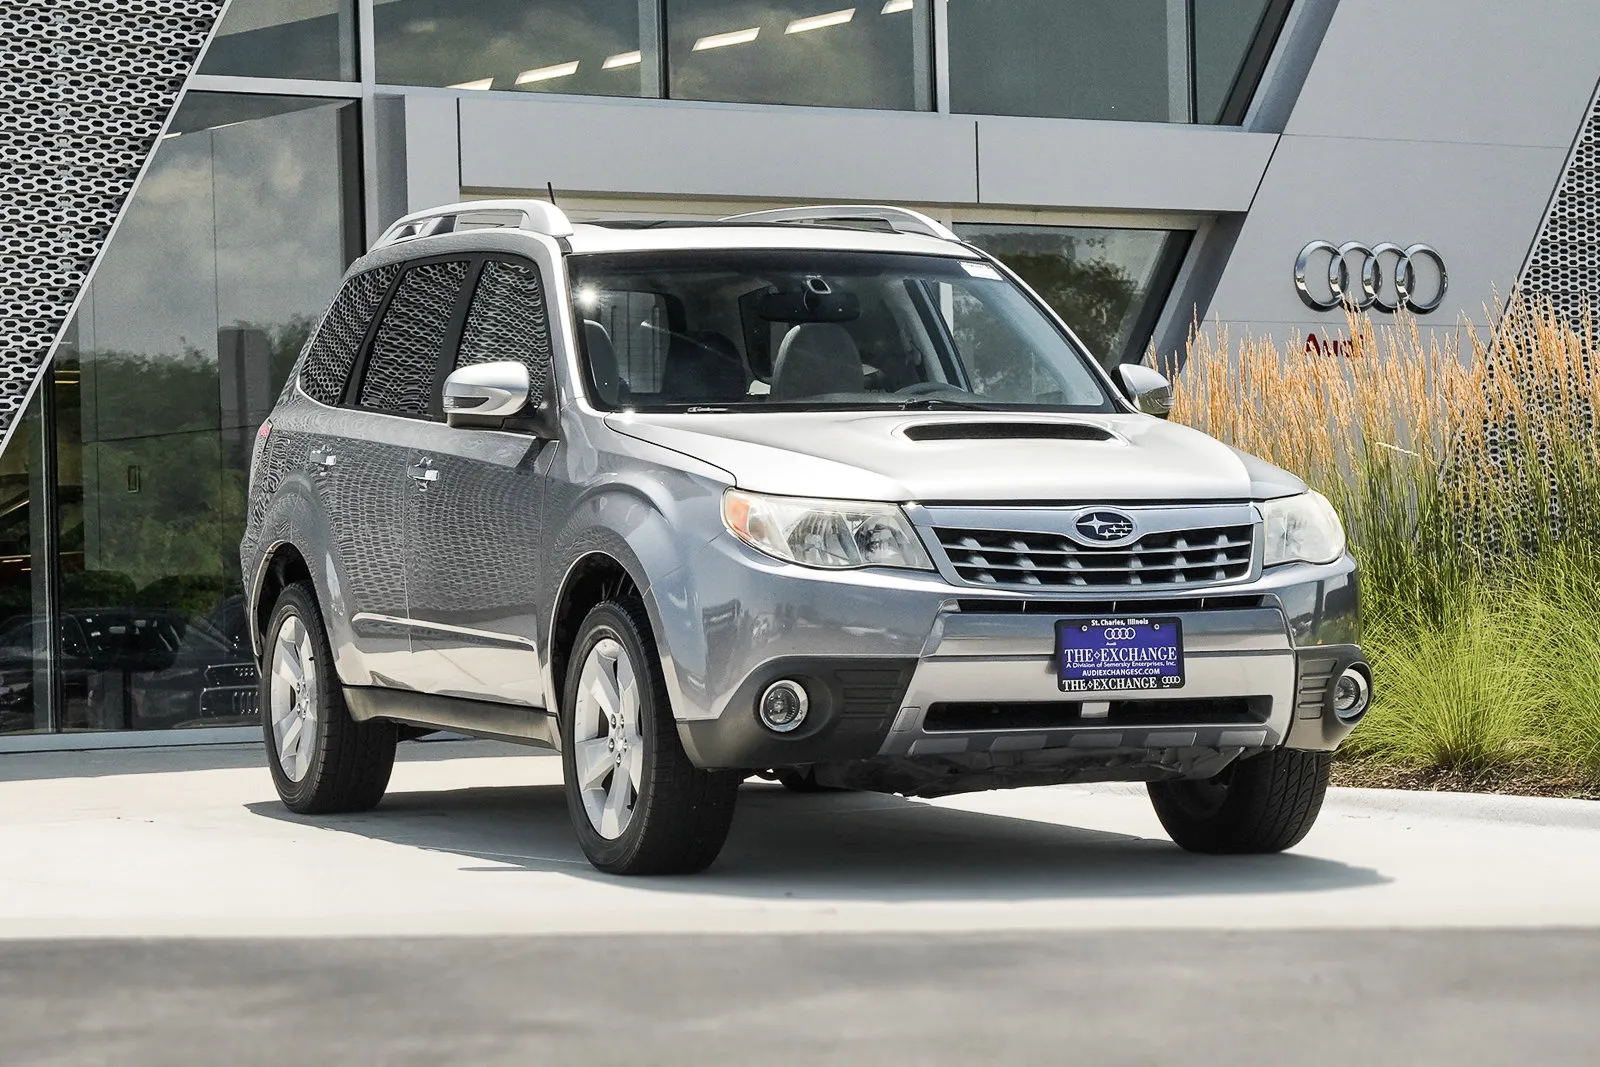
column 632, row 524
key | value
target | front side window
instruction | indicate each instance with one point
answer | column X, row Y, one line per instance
column 801, row 330
column 507, row 322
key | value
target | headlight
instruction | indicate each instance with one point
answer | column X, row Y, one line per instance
column 837, row 534
column 1302, row 528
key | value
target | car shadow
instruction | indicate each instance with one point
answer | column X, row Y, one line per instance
column 858, row 846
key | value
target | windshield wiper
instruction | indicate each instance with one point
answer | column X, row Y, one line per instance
column 926, row 403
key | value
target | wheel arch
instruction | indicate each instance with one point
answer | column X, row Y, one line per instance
column 281, row 566
column 602, row 564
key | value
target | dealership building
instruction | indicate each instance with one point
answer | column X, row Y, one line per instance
column 1144, row 164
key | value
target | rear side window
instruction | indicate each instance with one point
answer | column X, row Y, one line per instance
column 333, row 353
column 405, row 353
column 508, row 322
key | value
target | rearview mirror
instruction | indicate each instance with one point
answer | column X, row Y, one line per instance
column 486, row 392
column 1150, row 392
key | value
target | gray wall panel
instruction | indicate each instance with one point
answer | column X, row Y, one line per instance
column 1479, row 205
column 1124, row 166
column 700, row 150
column 1446, row 122
column 1453, row 70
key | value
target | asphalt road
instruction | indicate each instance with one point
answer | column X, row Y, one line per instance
column 160, row 908
column 1247, row 999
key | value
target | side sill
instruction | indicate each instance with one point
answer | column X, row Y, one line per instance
column 480, row 718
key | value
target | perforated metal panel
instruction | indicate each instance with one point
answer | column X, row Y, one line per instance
column 405, row 352
column 507, row 322
column 86, row 87
column 1564, row 264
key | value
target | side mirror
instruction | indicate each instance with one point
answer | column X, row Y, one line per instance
column 1150, row 392
column 486, row 393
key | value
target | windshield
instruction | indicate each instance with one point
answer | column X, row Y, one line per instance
column 802, row 330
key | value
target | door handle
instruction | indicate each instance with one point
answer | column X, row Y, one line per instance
column 422, row 472
column 321, row 458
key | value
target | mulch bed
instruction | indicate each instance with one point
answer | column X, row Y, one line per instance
column 1368, row 776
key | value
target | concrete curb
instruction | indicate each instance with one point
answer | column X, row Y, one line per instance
column 1480, row 807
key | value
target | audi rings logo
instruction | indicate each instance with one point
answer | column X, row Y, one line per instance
column 1383, row 276
column 1102, row 527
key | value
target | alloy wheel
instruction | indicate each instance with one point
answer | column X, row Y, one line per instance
column 608, row 746
column 293, row 703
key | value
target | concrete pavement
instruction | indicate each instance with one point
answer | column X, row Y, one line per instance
column 160, row 909
column 481, row 845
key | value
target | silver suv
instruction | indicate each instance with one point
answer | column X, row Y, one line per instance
column 821, row 494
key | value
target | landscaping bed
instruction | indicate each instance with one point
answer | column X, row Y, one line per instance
column 1467, row 472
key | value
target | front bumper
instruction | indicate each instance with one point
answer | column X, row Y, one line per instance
column 905, row 667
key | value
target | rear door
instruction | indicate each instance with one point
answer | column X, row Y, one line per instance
column 392, row 398
column 358, row 482
column 477, row 512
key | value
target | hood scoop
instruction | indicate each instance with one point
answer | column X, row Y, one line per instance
column 1006, row 431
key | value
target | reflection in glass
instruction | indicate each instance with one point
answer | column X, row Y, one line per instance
column 232, row 246
column 285, row 39
column 817, row 52
column 1088, row 59
column 24, row 570
column 591, row 47
column 1107, row 285
column 1223, row 31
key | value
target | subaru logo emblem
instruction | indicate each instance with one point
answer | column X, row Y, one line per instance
column 1103, row 527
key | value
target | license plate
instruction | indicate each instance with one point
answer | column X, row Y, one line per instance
column 1129, row 653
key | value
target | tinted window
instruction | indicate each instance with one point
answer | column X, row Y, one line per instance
column 405, row 353
column 798, row 52
column 508, row 322
column 333, row 353
column 592, row 47
column 286, row 39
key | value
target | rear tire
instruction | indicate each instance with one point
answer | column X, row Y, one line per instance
column 638, row 805
column 322, row 760
column 1265, row 803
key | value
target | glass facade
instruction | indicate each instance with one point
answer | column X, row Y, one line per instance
column 592, row 47
column 312, row 39
column 875, row 55
column 230, row 250
column 1134, row 60
column 1108, row 285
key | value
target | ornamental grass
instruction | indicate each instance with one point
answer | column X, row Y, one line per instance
column 1466, row 467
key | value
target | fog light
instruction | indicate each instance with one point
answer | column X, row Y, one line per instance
column 1351, row 695
column 783, row 706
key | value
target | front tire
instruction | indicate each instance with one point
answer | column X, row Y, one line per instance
column 638, row 805
column 1266, row 803
column 322, row 760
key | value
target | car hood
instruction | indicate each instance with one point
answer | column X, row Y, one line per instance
column 950, row 457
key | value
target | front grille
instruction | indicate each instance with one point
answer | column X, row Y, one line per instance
column 1044, row 560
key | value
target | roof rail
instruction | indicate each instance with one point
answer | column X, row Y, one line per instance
column 898, row 219
column 536, row 216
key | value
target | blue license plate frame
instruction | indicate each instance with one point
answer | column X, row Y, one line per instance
column 1125, row 653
